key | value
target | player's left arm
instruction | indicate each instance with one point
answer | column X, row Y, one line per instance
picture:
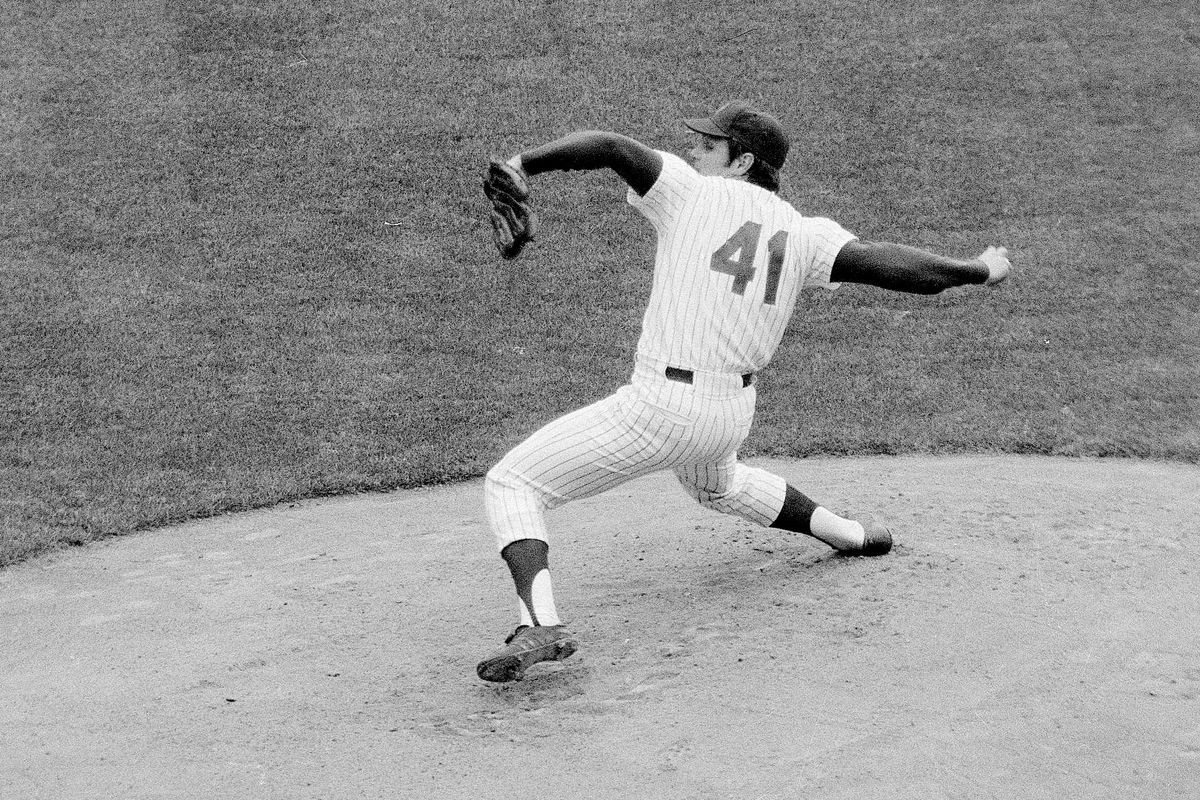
column 901, row 268
column 638, row 165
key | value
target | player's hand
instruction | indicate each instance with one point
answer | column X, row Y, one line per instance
column 996, row 260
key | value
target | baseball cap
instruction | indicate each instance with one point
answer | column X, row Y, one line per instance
column 755, row 130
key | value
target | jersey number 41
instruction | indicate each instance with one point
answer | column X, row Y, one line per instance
column 736, row 258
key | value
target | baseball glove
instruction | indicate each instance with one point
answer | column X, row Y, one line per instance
column 514, row 222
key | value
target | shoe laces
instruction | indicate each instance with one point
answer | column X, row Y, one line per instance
column 515, row 633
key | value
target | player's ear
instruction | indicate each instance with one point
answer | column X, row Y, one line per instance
column 743, row 163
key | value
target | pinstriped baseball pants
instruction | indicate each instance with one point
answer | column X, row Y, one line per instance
column 648, row 425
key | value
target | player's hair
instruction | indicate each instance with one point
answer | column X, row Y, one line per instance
column 761, row 173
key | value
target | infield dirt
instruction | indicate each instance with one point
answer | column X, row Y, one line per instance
column 1034, row 634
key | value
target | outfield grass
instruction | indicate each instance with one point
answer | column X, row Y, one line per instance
column 204, row 308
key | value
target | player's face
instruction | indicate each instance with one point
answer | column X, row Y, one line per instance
column 710, row 156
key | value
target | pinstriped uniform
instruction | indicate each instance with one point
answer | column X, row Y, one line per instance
column 730, row 263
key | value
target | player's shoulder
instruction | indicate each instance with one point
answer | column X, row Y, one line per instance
column 801, row 218
column 677, row 181
column 676, row 168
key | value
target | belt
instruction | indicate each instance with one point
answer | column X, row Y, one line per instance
column 687, row 376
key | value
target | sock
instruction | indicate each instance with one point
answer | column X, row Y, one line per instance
column 837, row 532
column 801, row 514
column 797, row 511
column 528, row 560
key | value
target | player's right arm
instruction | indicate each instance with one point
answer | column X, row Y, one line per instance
column 638, row 165
column 901, row 268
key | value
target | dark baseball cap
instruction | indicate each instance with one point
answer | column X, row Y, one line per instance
column 755, row 130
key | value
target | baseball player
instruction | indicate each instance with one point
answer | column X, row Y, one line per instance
column 732, row 257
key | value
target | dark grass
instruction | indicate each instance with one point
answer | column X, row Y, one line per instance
column 203, row 309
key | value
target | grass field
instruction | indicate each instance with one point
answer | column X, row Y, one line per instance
column 243, row 257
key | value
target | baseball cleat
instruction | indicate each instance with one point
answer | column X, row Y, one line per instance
column 877, row 541
column 525, row 647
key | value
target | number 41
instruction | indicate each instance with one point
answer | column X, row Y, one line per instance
column 744, row 245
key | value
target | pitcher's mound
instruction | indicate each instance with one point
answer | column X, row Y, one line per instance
column 1035, row 633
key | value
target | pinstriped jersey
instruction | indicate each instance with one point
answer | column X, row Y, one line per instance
column 731, row 260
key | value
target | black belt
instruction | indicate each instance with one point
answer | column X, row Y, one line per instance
column 687, row 376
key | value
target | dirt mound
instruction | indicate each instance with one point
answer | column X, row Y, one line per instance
column 1034, row 634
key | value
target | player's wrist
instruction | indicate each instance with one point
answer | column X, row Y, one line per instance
column 981, row 271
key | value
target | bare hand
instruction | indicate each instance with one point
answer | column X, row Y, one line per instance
column 996, row 259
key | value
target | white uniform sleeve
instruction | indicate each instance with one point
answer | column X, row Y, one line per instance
column 823, row 240
column 675, row 185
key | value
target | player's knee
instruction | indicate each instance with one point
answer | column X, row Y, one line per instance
column 494, row 477
column 724, row 498
column 502, row 485
column 717, row 501
column 498, row 481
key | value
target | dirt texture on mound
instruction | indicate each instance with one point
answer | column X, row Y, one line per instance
column 1035, row 633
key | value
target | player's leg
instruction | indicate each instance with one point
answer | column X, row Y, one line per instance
column 540, row 636
column 579, row 455
column 754, row 494
column 801, row 514
column 732, row 487
column 515, row 512
column 528, row 562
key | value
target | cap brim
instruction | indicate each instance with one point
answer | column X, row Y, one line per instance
column 707, row 127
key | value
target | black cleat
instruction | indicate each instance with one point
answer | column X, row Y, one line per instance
column 877, row 541
column 524, row 648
